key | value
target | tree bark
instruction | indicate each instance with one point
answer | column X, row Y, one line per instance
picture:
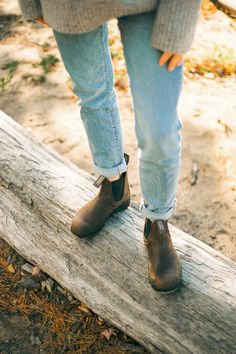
column 40, row 192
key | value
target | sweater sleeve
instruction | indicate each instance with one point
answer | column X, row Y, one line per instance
column 31, row 9
column 175, row 24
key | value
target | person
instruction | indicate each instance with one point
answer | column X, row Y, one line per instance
column 155, row 35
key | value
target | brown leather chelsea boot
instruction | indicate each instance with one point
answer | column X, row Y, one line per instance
column 112, row 197
column 164, row 266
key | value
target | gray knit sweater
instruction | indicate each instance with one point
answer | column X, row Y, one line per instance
column 173, row 29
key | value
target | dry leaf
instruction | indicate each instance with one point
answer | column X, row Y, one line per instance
column 121, row 83
column 36, row 272
column 107, row 333
column 11, row 268
column 228, row 130
column 196, row 112
column 84, row 308
column 100, row 321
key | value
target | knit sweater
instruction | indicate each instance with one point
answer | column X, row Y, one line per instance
column 173, row 29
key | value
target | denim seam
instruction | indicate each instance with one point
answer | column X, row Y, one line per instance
column 105, row 74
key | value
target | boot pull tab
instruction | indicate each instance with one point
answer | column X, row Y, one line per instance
column 162, row 225
column 126, row 156
column 101, row 179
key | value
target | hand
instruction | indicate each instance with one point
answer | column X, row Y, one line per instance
column 41, row 20
column 174, row 60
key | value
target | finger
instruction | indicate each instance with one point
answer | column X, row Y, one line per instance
column 180, row 61
column 174, row 61
column 164, row 58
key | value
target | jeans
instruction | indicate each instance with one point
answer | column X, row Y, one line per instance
column 155, row 92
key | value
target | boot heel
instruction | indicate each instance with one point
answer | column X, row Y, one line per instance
column 122, row 206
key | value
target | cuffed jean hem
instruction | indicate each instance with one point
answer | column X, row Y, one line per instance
column 111, row 172
column 156, row 216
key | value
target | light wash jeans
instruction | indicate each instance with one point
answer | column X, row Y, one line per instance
column 155, row 93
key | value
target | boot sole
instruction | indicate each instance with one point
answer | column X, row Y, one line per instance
column 163, row 291
column 122, row 207
column 166, row 291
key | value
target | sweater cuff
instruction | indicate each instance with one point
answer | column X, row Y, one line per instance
column 31, row 9
column 175, row 25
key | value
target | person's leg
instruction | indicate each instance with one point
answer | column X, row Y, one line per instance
column 87, row 59
column 155, row 93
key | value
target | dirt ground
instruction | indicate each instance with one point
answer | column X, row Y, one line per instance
column 49, row 110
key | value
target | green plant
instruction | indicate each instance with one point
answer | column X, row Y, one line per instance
column 219, row 61
column 11, row 67
column 120, row 75
column 45, row 46
column 116, row 54
column 48, row 62
column 223, row 56
column 36, row 79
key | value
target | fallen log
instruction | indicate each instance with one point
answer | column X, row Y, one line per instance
column 39, row 194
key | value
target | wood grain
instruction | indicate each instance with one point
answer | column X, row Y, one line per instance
column 39, row 194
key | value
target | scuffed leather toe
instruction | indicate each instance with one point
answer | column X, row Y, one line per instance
column 81, row 228
column 164, row 267
column 92, row 216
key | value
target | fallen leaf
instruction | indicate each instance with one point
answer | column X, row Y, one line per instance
column 197, row 112
column 107, row 333
column 100, row 321
column 11, row 268
column 84, row 308
column 228, row 130
column 36, row 272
